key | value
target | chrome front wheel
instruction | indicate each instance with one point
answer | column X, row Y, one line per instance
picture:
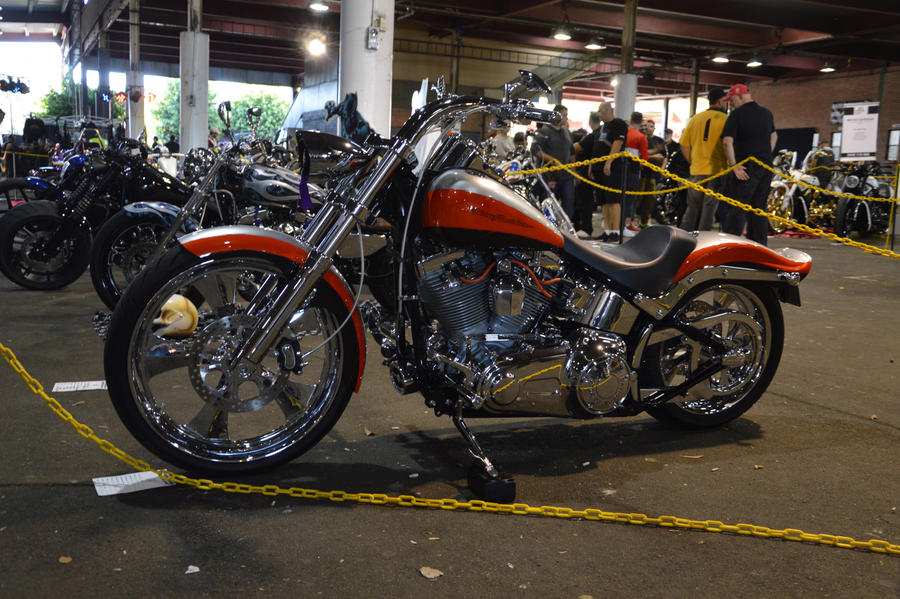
column 170, row 373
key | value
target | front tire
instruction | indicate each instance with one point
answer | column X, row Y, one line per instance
column 27, row 255
column 177, row 394
column 750, row 322
column 121, row 249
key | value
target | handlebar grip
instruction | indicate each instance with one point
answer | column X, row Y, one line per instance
column 543, row 116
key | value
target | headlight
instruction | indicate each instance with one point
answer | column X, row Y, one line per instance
column 851, row 181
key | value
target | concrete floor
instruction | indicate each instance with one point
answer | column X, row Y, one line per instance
column 819, row 452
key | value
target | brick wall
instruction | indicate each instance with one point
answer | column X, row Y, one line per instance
column 807, row 102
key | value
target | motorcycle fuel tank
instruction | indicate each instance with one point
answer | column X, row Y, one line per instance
column 270, row 185
column 464, row 207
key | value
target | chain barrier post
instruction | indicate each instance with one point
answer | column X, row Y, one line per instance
column 896, row 194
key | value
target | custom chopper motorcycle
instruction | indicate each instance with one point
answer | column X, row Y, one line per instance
column 240, row 347
column 45, row 244
column 860, row 215
column 241, row 185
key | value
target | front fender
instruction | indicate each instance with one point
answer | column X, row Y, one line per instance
column 165, row 211
column 238, row 238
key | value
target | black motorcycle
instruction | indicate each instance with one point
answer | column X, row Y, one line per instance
column 862, row 216
column 45, row 244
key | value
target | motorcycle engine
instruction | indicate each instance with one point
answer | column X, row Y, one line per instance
column 493, row 339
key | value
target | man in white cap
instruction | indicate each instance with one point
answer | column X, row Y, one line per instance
column 749, row 131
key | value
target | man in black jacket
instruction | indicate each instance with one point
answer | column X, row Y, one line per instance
column 749, row 131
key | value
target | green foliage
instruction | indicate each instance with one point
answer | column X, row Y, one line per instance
column 273, row 113
column 60, row 103
column 166, row 111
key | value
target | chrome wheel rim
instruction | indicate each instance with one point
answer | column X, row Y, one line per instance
column 129, row 253
column 736, row 317
column 191, row 399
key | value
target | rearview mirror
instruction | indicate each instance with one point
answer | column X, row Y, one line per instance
column 225, row 114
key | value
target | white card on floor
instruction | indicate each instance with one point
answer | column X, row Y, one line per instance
column 78, row 386
column 128, row 483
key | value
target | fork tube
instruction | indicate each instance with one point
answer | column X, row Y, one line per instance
column 325, row 244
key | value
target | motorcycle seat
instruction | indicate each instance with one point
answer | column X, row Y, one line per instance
column 647, row 263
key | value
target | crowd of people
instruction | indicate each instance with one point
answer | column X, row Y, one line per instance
column 712, row 141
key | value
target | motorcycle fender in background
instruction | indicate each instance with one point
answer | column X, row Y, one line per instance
column 39, row 183
column 238, row 238
column 166, row 213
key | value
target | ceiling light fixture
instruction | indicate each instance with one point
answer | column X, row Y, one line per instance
column 614, row 81
column 755, row 62
column 826, row 68
column 563, row 33
column 316, row 45
column 720, row 58
column 318, row 6
column 596, row 43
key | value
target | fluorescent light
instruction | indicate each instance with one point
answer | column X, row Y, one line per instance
column 720, row 58
column 755, row 62
column 596, row 43
column 318, row 6
column 562, row 34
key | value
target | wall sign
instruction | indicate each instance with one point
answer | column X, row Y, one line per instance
column 860, row 131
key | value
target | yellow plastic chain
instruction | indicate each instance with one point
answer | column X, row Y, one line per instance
column 746, row 207
column 519, row 509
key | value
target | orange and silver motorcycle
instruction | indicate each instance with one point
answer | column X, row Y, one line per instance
column 239, row 348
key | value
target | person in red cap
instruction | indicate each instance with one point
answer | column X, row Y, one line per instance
column 749, row 131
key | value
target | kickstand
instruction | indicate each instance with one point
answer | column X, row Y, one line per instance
column 484, row 478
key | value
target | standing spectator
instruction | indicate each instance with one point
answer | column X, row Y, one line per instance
column 701, row 145
column 155, row 145
column 584, row 192
column 502, row 142
column 675, row 161
column 636, row 144
column 656, row 153
column 212, row 141
column 172, row 145
column 519, row 139
column 555, row 141
column 749, row 131
column 602, row 142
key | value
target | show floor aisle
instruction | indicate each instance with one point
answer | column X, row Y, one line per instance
column 819, row 452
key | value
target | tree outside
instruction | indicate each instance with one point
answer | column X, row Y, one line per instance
column 165, row 111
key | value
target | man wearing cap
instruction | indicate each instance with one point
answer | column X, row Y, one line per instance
column 749, row 131
column 701, row 145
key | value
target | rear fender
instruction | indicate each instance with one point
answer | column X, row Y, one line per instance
column 723, row 257
column 238, row 238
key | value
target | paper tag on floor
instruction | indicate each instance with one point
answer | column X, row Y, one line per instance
column 128, row 483
column 78, row 386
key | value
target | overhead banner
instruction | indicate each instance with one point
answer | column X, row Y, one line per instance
column 859, row 127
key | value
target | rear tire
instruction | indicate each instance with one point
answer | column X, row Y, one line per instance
column 753, row 328
column 177, row 394
column 24, row 258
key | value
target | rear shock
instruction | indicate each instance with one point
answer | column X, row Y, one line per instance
column 80, row 200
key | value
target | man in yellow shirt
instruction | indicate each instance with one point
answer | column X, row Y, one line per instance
column 701, row 144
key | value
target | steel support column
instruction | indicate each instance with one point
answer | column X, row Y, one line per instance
column 626, row 90
column 194, row 74
column 134, row 79
column 366, row 58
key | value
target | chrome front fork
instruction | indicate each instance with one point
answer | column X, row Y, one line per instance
column 326, row 232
